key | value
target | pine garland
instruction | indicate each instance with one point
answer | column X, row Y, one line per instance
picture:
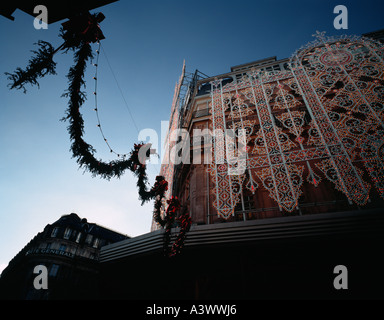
column 168, row 221
column 39, row 66
column 185, row 223
column 84, row 152
column 42, row 64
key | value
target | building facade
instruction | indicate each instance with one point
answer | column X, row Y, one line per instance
column 69, row 248
column 313, row 129
column 294, row 193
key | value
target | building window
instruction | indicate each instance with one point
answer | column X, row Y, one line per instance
column 54, row 270
column 88, row 239
column 54, row 232
column 96, row 243
column 246, row 204
column 249, row 203
column 48, row 245
column 63, row 247
column 67, row 233
column 78, row 237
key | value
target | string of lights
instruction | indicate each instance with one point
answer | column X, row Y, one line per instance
column 96, row 108
column 96, row 105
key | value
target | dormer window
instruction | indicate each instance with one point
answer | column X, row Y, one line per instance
column 88, row 239
column 67, row 233
column 78, row 237
column 96, row 243
column 54, row 232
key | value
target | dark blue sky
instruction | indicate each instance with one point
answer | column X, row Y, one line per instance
column 146, row 43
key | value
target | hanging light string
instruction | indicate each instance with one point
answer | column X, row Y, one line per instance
column 96, row 108
column 121, row 91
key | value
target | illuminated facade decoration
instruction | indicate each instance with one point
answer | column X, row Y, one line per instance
column 314, row 127
column 323, row 112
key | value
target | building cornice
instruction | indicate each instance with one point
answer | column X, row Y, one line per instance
column 355, row 223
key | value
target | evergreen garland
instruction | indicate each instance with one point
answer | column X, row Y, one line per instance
column 168, row 221
column 81, row 150
column 185, row 223
column 41, row 65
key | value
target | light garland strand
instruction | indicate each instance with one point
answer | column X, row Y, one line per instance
column 96, row 108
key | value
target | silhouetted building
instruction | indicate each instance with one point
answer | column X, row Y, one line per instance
column 57, row 11
column 69, row 249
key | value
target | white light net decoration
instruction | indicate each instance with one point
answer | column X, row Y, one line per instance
column 323, row 118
